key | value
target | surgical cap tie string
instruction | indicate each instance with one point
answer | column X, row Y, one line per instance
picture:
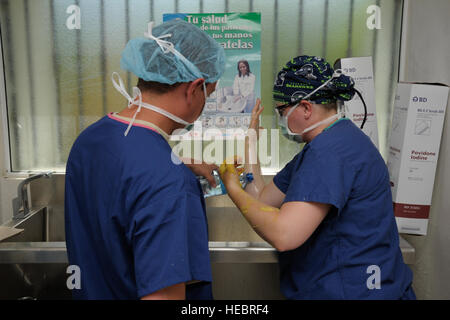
column 167, row 46
column 336, row 74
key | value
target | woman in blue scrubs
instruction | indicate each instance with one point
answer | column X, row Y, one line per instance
column 329, row 210
column 134, row 213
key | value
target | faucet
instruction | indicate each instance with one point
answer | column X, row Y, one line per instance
column 20, row 204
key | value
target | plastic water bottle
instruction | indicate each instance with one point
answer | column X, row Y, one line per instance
column 209, row 191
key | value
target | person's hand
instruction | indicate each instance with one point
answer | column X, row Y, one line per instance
column 256, row 112
column 205, row 170
column 229, row 173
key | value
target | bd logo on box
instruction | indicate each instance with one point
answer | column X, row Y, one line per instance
column 419, row 99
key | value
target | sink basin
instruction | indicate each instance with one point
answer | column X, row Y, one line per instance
column 231, row 239
column 42, row 224
column 34, row 262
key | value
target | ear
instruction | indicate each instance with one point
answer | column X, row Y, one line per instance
column 192, row 88
column 306, row 109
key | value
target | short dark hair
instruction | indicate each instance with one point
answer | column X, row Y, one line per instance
column 156, row 87
column 329, row 106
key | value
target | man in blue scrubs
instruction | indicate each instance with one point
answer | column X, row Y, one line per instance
column 328, row 211
column 135, row 215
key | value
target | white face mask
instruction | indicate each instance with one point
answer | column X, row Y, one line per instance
column 283, row 121
column 137, row 94
column 298, row 137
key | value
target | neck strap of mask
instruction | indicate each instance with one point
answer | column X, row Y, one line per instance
column 137, row 100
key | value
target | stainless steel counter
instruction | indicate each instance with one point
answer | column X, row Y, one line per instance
column 55, row 252
column 231, row 240
column 34, row 262
column 220, row 252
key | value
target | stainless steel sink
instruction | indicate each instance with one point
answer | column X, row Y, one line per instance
column 231, row 239
column 34, row 262
column 42, row 241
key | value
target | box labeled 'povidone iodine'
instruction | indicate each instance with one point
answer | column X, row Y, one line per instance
column 418, row 119
column 361, row 70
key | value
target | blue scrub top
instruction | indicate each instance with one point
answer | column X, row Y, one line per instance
column 135, row 221
column 342, row 167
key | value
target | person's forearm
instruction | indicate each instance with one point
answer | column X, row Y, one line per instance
column 252, row 166
column 189, row 162
column 262, row 218
column 174, row 292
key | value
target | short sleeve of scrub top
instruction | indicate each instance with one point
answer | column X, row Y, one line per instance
column 282, row 178
column 309, row 177
column 169, row 236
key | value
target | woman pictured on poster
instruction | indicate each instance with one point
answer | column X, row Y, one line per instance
column 244, row 85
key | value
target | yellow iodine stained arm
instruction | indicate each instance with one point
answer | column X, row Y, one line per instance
column 252, row 165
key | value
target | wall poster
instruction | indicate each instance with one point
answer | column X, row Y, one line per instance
column 230, row 106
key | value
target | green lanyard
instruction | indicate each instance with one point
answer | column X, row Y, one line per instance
column 341, row 119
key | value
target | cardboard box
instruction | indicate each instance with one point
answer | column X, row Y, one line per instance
column 361, row 70
column 418, row 119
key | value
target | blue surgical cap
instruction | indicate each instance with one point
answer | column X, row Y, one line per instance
column 200, row 56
